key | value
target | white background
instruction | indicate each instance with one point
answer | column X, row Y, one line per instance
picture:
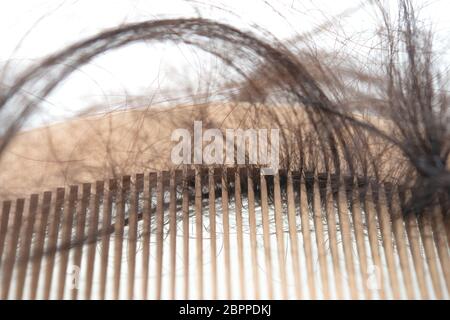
column 32, row 29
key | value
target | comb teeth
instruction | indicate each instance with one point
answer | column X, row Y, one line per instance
column 236, row 234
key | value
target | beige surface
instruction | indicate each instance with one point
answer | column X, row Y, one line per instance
column 100, row 147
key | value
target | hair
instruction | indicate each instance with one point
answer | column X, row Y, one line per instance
column 338, row 129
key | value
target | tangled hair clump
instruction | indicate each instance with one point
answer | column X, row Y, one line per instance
column 405, row 141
